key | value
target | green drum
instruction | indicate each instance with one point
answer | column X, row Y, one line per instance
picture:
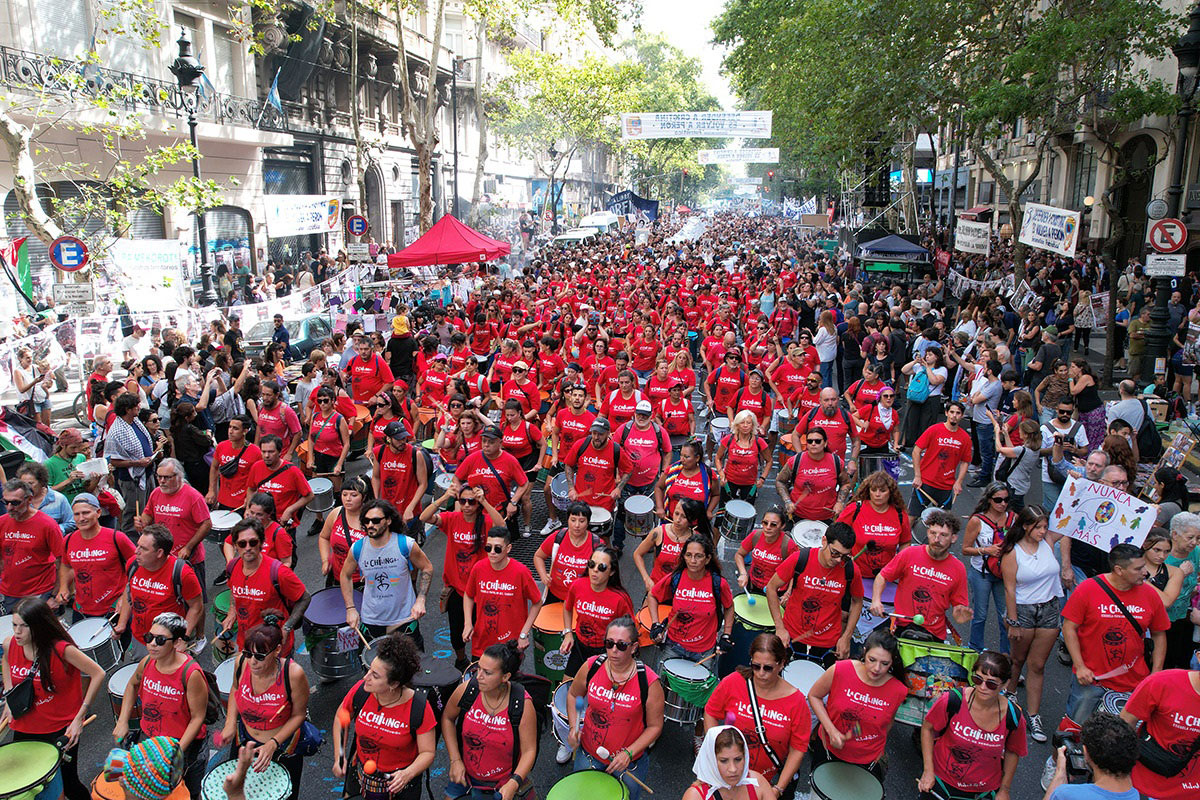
column 547, row 638
column 751, row 616
column 26, row 768
column 590, row 783
column 220, row 612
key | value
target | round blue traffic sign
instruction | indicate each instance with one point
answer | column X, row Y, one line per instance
column 69, row 253
column 357, row 225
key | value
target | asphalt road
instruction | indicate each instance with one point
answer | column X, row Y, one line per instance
column 671, row 760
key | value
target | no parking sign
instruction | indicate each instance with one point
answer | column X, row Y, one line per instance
column 69, row 253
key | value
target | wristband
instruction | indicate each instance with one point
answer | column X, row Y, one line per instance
column 629, row 753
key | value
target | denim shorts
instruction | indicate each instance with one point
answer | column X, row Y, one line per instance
column 1040, row 615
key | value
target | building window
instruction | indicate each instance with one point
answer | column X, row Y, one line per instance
column 1083, row 175
column 228, row 231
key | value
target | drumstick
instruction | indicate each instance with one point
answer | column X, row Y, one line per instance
column 358, row 630
column 709, row 657
column 627, row 774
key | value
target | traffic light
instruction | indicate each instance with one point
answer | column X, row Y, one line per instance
column 685, row 174
column 771, row 175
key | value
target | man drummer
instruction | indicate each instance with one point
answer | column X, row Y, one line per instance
column 569, row 425
column 568, row 550
column 159, row 583
column 824, row 582
column 258, row 583
column 284, row 481
column 276, row 542
column 367, row 373
column 32, row 544
column 182, row 509
column 401, row 475
column 94, row 560
column 649, row 448
column 498, row 472
column 229, row 492
column 502, row 601
column 676, row 412
column 598, row 468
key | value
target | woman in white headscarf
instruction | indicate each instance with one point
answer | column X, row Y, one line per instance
column 723, row 770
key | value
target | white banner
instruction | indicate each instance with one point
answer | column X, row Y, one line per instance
column 972, row 237
column 302, row 214
column 149, row 272
column 740, row 155
column 1101, row 515
column 754, row 181
column 685, row 124
column 1050, row 228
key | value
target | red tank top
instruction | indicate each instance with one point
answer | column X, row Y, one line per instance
column 340, row 545
column 667, row 557
column 487, row 741
column 165, row 709
column 269, row 710
column 751, row 790
column 52, row 711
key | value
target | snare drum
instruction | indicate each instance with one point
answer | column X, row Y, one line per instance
column 439, row 677
column 639, row 515
column 867, row 621
column 1114, row 702
column 644, row 622
column 26, row 768
column 802, row 674
column 808, row 533
column 590, row 783
column 560, row 491
column 749, row 620
column 681, row 673
column 738, row 521
column 322, row 489
column 443, row 482
column 118, row 685
column 222, row 524
column 95, row 638
column 273, row 783
column 333, row 647
column 224, row 674
column 602, row 523
column 837, row 780
column 558, row 710
column 547, row 638
column 718, row 429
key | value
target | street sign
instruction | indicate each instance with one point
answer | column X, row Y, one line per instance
column 64, row 293
column 1157, row 208
column 358, row 251
column 68, row 253
column 1168, row 235
column 357, row 225
column 1166, row 265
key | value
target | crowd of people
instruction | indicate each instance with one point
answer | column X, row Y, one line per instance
column 629, row 394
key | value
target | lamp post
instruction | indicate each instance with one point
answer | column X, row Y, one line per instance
column 1187, row 53
column 553, row 151
column 187, row 71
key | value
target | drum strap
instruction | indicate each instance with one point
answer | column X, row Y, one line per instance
column 758, row 726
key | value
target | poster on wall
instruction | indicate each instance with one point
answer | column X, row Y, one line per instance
column 302, row 214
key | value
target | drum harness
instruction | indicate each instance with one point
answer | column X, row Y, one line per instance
column 776, row 761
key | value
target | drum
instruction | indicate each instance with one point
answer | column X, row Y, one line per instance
column 560, row 492
column 602, row 523
column 222, row 524
column 439, row 678
column 27, row 768
column 95, row 638
column 590, row 783
column 737, row 521
column 443, row 482
column 688, row 677
column 643, row 622
column 558, row 710
column 787, row 424
column 322, row 489
column 6, row 630
column 677, row 441
column 273, row 783
column 334, row 648
column 718, row 429
column 639, row 515
column 1114, row 702
column 867, row 621
column 749, row 620
column 802, row 674
column 547, row 638
column 837, row 780
column 118, row 684
column 808, row 533
column 224, row 674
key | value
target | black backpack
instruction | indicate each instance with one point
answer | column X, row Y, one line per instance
column 643, row 681
column 416, row 711
column 516, row 710
column 1150, row 447
column 802, row 563
column 716, row 590
column 954, row 703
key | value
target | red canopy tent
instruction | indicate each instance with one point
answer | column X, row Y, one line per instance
column 449, row 242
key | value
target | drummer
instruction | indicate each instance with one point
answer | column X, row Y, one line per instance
column 676, row 412
column 755, row 398
column 570, row 424
column 813, row 481
column 159, row 583
column 500, row 475
column 328, row 439
column 568, row 549
column 1164, row 706
column 386, row 755
column 343, row 527
column 930, row 581
column 277, row 542
column 723, row 769
column 780, row 728
column 260, row 585
column 598, row 468
column 282, row 480
column 624, row 701
column 760, row 554
column 94, row 561
column 228, row 492
column 268, row 704
column 466, row 531
column 825, row 597
column 524, row 441
column 649, row 447
column 593, row 601
column 488, row 749
column 501, row 601
column 880, row 521
column 667, row 540
column 455, row 444
column 742, row 459
column 59, row 706
column 855, row 704
column 687, row 477
column 400, row 475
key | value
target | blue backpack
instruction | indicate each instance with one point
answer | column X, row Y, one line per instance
column 918, row 386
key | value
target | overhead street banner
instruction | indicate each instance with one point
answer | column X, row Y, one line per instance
column 702, row 124
column 751, row 181
column 302, row 214
column 740, row 155
column 1050, row 228
column 972, row 237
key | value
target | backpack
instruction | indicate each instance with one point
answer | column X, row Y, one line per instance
column 802, row 564
column 214, row 707
column 918, row 386
column 658, row 434
column 991, row 564
column 795, row 462
column 716, row 590
column 275, row 565
column 421, row 700
column 850, row 429
column 783, row 552
column 954, row 703
column 1150, row 447
column 516, row 710
column 643, row 682
column 1007, row 465
column 176, row 578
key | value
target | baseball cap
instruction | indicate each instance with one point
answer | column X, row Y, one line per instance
column 520, row 365
column 396, row 430
column 601, row 424
column 643, row 407
column 491, row 432
column 88, row 498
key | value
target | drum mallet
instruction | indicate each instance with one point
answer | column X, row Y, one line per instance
column 62, row 740
column 916, row 619
column 580, row 704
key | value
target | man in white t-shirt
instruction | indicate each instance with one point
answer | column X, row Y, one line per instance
column 1074, row 440
column 985, row 397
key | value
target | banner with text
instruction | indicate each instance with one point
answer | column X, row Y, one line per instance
column 150, row 272
column 703, row 124
column 627, row 202
column 1101, row 515
column 302, row 214
column 1050, row 228
column 973, row 237
column 740, row 155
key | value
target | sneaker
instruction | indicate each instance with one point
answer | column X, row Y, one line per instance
column 1064, row 657
column 1035, row 728
column 526, row 531
column 549, row 527
column 222, row 579
column 563, row 755
column 978, row 480
column 1048, row 771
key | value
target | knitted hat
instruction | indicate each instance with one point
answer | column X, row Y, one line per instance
column 152, row 769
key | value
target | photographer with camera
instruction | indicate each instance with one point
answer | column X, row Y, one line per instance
column 1109, row 751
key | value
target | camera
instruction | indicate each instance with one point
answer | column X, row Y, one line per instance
column 1078, row 770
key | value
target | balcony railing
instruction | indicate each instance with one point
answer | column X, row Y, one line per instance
column 40, row 73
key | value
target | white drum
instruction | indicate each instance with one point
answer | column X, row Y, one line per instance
column 6, row 630
column 558, row 708
column 118, row 684
column 601, row 523
column 560, row 492
column 442, row 484
column 639, row 515
column 322, row 489
column 676, row 671
column 718, row 429
column 802, row 674
column 95, row 638
column 737, row 521
column 808, row 533
column 222, row 524
column 224, row 673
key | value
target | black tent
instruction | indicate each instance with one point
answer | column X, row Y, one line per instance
column 892, row 248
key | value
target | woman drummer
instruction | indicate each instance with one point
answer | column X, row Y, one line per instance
column 624, row 701
column 971, row 738
column 667, row 540
column 880, row 521
column 59, row 708
column 687, row 477
column 743, row 459
column 374, row 743
column 268, row 704
column 765, row 548
column 781, row 728
column 593, row 600
column 723, row 769
column 855, row 704
column 166, row 712
column 487, row 750
column 568, row 551
column 343, row 527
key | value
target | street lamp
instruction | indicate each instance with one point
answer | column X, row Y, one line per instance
column 187, row 71
column 553, row 151
column 456, row 66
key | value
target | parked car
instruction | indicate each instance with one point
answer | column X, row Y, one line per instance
column 305, row 335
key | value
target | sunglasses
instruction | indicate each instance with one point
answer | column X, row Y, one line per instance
column 1004, row 499
column 886, row 394
column 374, row 520
column 243, row 544
column 517, row 369
column 324, row 400
column 456, row 405
column 767, row 668
column 838, row 555
column 14, row 502
column 622, row 646
column 815, row 441
column 597, row 567
column 158, row 639
column 493, row 548
column 256, row 656
column 990, row 683
column 468, row 501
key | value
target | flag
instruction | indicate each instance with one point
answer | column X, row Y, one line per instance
column 17, row 255
column 273, row 94
column 205, row 87
column 791, row 207
column 809, row 206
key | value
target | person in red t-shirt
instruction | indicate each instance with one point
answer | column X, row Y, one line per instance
column 881, row 525
column 229, row 493
column 367, row 372
column 929, row 580
column 276, row 418
column 940, row 458
column 182, row 509
column 743, row 459
column 280, row 479
column 563, row 555
column 593, row 600
column 258, row 584
column 499, row 474
column 94, row 560
column 619, row 405
column 676, row 414
column 823, row 583
column 502, row 600
column 643, row 351
column 765, row 549
column 32, row 546
column 1165, row 703
column 878, row 423
column 723, row 383
column 523, row 389
column 400, row 473
column 157, row 586
column 753, row 397
column 658, row 385
column 812, row 481
column 838, row 427
column 598, row 468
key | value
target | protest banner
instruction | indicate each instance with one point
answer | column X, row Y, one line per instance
column 973, row 237
column 740, row 155
column 1050, row 228
column 1101, row 515
column 701, row 124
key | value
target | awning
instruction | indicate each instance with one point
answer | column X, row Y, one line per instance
column 978, row 213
